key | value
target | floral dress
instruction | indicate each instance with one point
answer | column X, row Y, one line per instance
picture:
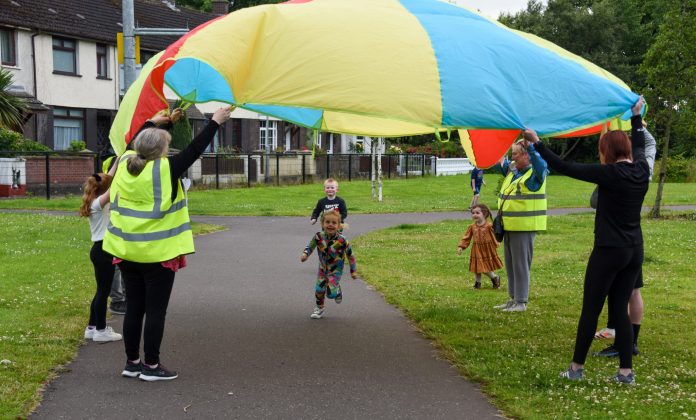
column 484, row 257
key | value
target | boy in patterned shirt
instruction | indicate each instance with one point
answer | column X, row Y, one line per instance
column 332, row 248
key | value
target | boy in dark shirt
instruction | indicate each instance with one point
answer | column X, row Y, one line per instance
column 330, row 202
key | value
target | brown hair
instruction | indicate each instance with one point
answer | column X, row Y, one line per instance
column 614, row 145
column 484, row 209
column 96, row 185
column 331, row 213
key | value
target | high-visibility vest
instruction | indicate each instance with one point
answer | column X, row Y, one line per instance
column 146, row 226
column 523, row 210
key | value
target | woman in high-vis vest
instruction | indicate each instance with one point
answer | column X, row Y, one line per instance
column 617, row 257
column 523, row 203
column 149, row 235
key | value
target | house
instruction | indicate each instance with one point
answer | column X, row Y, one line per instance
column 63, row 57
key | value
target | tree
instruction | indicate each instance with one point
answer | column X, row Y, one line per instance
column 12, row 108
column 670, row 70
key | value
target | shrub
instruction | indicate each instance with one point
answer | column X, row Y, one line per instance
column 77, row 146
column 14, row 141
column 677, row 169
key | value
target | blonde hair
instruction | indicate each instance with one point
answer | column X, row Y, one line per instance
column 331, row 181
column 331, row 213
column 151, row 144
column 94, row 186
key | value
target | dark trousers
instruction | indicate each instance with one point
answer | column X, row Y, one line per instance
column 612, row 273
column 148, row 288
column 104, row 274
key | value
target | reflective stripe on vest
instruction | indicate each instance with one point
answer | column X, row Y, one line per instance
column 523, row 210
column 146, row 226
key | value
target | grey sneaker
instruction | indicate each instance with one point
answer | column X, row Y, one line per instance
column 317, row 313
column 629, row 379
column 573, row 375
column 505, row 305
column 516, row 307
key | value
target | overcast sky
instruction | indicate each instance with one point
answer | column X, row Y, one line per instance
column 493, row 8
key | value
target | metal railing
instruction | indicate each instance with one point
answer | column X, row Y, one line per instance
column 60, row 173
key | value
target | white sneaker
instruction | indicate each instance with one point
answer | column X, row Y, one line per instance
column 317, row 313
column 107, row 334
column 89, row 333
column 505, row 305
column 605, row 333
column 516, row 307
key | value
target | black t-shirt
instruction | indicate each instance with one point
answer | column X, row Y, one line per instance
column 326, row 204
column 622, row 188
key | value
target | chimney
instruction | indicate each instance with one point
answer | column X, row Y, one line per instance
column 220, row 7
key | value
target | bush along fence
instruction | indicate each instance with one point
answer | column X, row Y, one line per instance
column 57, row 173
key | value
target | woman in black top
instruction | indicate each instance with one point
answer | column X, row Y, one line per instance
column 617, row 256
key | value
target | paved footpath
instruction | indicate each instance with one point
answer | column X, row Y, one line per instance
column 239, row 333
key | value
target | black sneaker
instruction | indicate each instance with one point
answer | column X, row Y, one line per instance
column 160, row 373
column 629, row 379
column 118, row 308
column 610, row 351
column 132, row 370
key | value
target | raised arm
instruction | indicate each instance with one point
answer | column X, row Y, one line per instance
column 181, row 162
column 586, row 172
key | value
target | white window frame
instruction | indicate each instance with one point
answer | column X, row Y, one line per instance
column 264, row 131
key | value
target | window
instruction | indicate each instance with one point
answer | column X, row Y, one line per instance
column 268, row 134
column 102, row 61
column 7, row 47
column 68, row 125
column 64, row 55
column 145, row 56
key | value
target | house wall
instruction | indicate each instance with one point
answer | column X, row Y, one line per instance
column 83, row 91
column 22, row 73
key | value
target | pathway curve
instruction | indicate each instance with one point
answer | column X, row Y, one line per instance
column 239, row 333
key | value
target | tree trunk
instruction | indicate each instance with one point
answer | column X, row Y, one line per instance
column 373, row 153
column 655, row 212
column 379, row 168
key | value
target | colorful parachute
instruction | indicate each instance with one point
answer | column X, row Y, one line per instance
column 381, row 68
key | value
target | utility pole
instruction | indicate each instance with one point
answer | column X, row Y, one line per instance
column 129, row 33
column 128, row 44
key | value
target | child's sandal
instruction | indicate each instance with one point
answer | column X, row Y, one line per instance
column 496, row 282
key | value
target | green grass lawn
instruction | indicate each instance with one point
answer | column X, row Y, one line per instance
column 46, row 286
column 517, row 356
column 444, row 193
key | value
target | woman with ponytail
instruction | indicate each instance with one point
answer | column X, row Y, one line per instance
column 95, row 206
column 150, row 234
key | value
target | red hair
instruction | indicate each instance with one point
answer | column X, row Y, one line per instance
column 614, row 145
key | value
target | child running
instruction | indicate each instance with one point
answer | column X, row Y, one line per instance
column 484, row 258
column 332, row 249
column 330, row 202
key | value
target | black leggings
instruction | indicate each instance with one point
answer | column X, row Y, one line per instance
column 104, row 274
column 148, row 288
column 610, row 272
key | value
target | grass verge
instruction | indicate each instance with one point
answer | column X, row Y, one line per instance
column 44, row 302
column 444, row 193
column 517, row 356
